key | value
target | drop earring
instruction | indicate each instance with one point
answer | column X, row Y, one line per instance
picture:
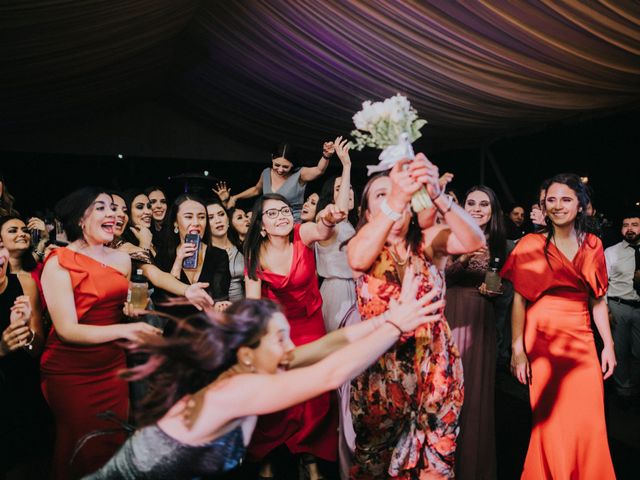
column 175, row 229
column 263, row 233
column 250, row 366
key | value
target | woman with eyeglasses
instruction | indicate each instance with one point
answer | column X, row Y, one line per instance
column 284, row 179
column 281, row 266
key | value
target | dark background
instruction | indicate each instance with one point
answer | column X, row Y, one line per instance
column 604, row 149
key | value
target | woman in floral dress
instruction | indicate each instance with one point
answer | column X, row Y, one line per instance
column 405, row 407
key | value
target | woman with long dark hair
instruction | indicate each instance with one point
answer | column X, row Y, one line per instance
column 16, row 238
column 219, row 371
column 139, row 232
column 281, row 266
column 405, row 407
column 471, row 316
column 159, row 206
column 223, row 237
column 239, row 224
column 188, row 215
column 557, row 275
column 283, row 178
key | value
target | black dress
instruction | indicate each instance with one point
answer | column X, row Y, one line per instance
column 215, row 271
column 25, row 423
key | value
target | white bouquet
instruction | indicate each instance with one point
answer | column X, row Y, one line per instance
column 391, row 126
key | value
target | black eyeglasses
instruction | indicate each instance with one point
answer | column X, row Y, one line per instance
column 272, row 213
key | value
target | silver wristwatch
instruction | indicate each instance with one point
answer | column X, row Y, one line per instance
column 386, row 209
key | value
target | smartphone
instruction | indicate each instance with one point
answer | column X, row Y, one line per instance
column 192, row 261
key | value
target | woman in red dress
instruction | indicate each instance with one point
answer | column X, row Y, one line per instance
column 281, row 266
column 85, row 285
column 556, row 274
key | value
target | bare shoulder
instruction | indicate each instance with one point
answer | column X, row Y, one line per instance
column 52, row 265
column 26, row 281
column 120, row 260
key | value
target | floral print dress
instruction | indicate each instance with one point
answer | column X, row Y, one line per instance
column 405, row 407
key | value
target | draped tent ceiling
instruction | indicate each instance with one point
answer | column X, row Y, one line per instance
column 264, row 71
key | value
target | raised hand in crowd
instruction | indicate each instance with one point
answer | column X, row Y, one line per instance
column 537, row 215
column 18, row 333
column 224, row 194
column 143, row 235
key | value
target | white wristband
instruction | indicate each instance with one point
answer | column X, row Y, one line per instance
column 386, row 209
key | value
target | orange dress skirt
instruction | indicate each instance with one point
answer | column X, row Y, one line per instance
column 569, row 436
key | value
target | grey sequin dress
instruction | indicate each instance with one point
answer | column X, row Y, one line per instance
column 152, row 454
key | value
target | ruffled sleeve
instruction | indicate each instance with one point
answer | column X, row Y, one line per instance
column 594, row 267
column 527, row 269
column 85, row 291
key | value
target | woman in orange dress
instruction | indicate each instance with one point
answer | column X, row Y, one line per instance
column 85, row 285
column 556, row 274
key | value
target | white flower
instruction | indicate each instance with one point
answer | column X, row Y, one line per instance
column 380, row 124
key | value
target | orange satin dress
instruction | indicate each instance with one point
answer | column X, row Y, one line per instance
column 569, row 435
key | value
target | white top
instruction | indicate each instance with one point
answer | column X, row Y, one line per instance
column 621, row 263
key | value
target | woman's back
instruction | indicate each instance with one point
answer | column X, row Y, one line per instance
column 152, row 453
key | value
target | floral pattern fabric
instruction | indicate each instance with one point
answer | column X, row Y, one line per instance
column 406, row 406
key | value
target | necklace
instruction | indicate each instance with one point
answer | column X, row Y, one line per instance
column 397, row 258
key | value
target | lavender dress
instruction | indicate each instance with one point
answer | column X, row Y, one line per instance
column 473, row 325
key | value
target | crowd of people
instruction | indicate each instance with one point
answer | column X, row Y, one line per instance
column 368, row 336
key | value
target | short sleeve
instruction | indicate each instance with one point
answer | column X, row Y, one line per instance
column 594, row 267
column 527, row 269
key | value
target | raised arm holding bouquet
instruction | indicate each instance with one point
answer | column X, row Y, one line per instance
column 391, row 126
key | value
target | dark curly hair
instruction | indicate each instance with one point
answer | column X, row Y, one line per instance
column 72, row 208
column 201, row 348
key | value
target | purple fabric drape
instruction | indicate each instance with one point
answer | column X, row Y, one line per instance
column 278, row 68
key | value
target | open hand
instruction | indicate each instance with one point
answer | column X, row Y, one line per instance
column 222, row 191
column 409, row 312
column 136, row 332
column 520, row 367
column 342, row 150
column 328, row 149
column 609, row 363
column 198, row 296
